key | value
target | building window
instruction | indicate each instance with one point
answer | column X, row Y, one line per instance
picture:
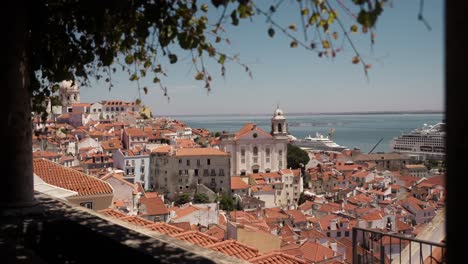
column 208, row 161
column 221, row 172
column 243, row 152
column 198, row 162
column 142, row 169
column 188, row 162
column 186, row 172
column 338, row 234
column 88, row 205
column 205, row 172
column 255, row 151
column 180, row 161
column 213, row 172
column 328, row 234
column 242, row 173
column 196, row 172
column 346, row 233
column 180, row 172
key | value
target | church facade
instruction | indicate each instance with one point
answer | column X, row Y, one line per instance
column 254, row 150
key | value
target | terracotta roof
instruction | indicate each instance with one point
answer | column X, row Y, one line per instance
column 197, row 238
column 113, row 213
column 186, row 143
column 70, row 179
column 165, row 228
column 45, row 154
column 312, row 251
column 182, row 225
column 200, row 152
column 136, row 220
column 297, row 215
column 216, row 231
column 235, row 249
column 163, row 149
column 153, row 206
column 307, row 205
column 135, row 132
column 244, row 131
column 237, row 184
column 372, row 216
column 276, row 258
column 181, row 212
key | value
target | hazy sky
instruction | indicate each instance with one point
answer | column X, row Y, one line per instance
column 407, row 71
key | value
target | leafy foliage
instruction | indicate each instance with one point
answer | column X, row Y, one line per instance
column 226, row 203
column 296, row 157
column 79, row 40
column 182, row 199
column 199, row 198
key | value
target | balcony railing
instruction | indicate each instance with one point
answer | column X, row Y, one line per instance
column 371, row 246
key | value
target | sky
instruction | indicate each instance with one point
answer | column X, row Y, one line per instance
column 406, row 75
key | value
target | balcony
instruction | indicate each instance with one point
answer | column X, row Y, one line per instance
column 371, row 246
column 66, row 233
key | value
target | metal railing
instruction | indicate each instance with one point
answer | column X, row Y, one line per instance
column 371, row 246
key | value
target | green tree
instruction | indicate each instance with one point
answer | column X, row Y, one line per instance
column 296, row 157
column 182, row 199
column 50, row 41
column 226, row 203
column 200, row 198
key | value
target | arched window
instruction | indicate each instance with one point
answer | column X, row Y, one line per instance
column 280, row 128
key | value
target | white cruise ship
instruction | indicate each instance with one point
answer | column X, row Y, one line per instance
column 427, row 142
column 319, row 142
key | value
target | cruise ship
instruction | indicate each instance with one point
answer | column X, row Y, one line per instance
column 423, row 143
column 319, row 142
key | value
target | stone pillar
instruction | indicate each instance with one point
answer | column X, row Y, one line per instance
column 16, row 188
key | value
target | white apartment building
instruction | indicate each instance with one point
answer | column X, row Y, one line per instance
column 136, row 166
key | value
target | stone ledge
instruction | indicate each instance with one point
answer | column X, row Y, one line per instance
column 64, row 232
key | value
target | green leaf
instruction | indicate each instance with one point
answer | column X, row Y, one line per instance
column 222, row 58
column 134, row 77
column 271, row 32
column 305, row 11
column 354, row 28
column 129, row 59
column 326, row 44
column 204, row 8
column 292, row 27
column 156, row 80
column 218, row 39
column 313, row 18
column 145, row 89
column 199, row 76
column 293, row 44
column 172, row 58
column 55, row 88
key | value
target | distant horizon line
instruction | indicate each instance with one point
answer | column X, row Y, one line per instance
column 318, row 113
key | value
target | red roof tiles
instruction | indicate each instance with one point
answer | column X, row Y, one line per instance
column 276, row 258
column 164, row 228
column 197, row 238
column 235, row 249
column 70, row 179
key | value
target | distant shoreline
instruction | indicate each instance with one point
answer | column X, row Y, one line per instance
column 422, row 112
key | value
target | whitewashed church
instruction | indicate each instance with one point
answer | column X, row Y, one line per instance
column 253, row 150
